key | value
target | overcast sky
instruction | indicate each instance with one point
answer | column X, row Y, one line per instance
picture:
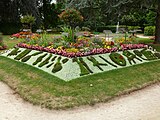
column 53, row 1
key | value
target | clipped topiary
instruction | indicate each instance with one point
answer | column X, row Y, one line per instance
column 82, row 61
column 48, row 66
column 46, row 61
column 96, row 63
column 157, row 55
column 53, row 59
column 65, row 60
column 118, row 59
column 14, row 52
column 130, row 56
column 25, row 59
column 39, row 59
column 83, row 70
column 57, row 66
column 149, row 55
column 23, row 54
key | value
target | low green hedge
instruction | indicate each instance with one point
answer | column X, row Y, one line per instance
column 149, row 30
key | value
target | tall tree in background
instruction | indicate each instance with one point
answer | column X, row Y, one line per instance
column 120, row 6
column 12, row 10
column 49, row 13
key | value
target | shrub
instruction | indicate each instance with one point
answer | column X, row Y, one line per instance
column 9, row 28
column 149, row 30
column 28, row 20
column 72, row 18
column 23, row 54
column 86, row 29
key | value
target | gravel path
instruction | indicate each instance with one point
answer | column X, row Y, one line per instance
column 140, row 105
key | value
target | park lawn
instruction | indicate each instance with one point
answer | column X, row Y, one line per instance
column 144, row 40
column 43, row 89
column 9, row 42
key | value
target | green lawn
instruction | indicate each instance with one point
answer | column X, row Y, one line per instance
column 144, row 40
column 9, row 42
column 48, row 91
column 43, row 89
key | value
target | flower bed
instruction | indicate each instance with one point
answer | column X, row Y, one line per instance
column 3, row 47
column 94, row 51
column 71, row 68
column 27, row 34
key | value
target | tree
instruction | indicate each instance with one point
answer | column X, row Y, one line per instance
column 71, row 17
column 11, row 10
column 49, row 13
column 28, row 20
column 121, row 6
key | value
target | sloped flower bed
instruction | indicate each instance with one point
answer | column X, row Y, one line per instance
column 81, row 54
column 71, row 68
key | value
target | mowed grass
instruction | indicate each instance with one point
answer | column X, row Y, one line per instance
column 9, row 42
column 43, row 89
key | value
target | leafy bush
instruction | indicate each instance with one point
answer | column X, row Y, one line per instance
column 86, row 29
column 101, row 28
column 133, row 28
column 28, row 20
column 9, row 28
column 149, row 30
column 71, row 17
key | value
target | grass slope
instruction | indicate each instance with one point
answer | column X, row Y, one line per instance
column 48, row 91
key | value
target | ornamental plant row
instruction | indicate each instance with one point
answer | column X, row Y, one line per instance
column 81, row 54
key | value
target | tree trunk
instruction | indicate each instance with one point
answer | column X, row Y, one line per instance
column 157, row 32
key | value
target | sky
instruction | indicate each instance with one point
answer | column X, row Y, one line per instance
column 53, row 1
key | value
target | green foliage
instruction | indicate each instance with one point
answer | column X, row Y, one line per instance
column 101, row 28
column 71, row 17
column 49, row 14
column 151, row 17
column 28, row 19
column 86, row 29
column 157, row 55
column 14, row 52
column 149, row 55
column 133, row 28
column 109, row 83
column 57, row 66
column 25, row 59
column 23, row 54
column 65, row 60
column 48, row 66
column 149, row 30
column 53, row 59
column 46, row 61
column 130, row 56
column 67, row 38
column 139, row 54
column 96, row 63
column 118, row 59
column 84, row 64
column 83, row 70
column 39, row 59
column 9, row 28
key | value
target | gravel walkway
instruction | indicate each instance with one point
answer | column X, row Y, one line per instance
column 140, row 105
